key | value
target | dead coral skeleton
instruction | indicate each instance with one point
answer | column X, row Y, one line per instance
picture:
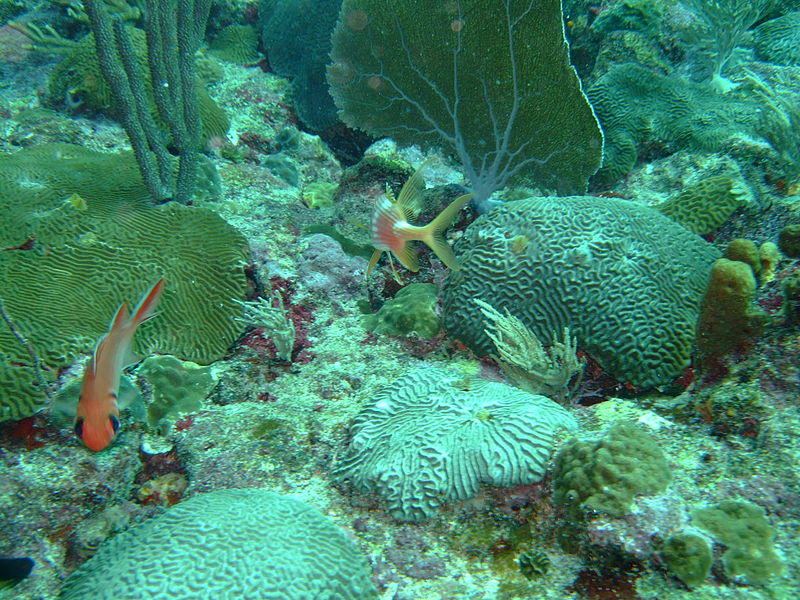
column 524, row 359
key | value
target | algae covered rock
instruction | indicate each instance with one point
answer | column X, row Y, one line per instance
column 245, row 544
column 743, row 529
column 606, row 474
column 626, row 280
column 413, row 310
column 83, row 238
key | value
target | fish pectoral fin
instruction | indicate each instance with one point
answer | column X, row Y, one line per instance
column 408, row 257
column 376, row 256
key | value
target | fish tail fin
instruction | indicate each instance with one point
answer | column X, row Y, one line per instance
column 433, row 232
column 146, row 309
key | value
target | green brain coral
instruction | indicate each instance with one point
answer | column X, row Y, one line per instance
column 626, row 280
column 80, row 237
column 606, row 474
column 78, row 82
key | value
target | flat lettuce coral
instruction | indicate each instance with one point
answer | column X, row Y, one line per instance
column 83, row 238
column 435, row 435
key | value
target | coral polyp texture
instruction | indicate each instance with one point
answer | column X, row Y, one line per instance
column 244, row 544
column 81, row 238
column 626, row 280
column 434, row 435
column 606, row 474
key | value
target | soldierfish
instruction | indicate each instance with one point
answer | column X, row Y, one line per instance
column 97, row 417
column 391, row 231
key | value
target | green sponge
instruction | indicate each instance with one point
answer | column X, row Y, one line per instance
column 411, row 311
column 178, row 388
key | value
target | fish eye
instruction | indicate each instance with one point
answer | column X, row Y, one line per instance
column 79, row 427
column 114, row 423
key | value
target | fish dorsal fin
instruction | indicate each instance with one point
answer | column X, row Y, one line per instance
column 146, row 309
column 410, row 198
column 121, row 317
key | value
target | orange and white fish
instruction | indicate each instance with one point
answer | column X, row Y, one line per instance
column 97, row 417
column 391, row 232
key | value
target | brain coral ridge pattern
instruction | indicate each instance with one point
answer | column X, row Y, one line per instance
column 80, row 236
column 282, row 549
column 624, row 278
column 434, row 435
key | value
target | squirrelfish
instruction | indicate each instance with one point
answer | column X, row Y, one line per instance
column 97, row 417
column 391, row 231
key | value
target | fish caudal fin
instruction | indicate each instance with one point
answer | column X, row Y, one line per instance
column 433, row 232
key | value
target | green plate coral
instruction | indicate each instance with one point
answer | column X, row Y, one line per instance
column 81, row 238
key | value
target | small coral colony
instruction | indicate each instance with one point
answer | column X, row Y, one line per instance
column 463, row 299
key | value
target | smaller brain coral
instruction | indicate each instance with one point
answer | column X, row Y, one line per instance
column 243, row 544
column 606, row 474
column 706, row 205
column 626, row 280
column 434, row 435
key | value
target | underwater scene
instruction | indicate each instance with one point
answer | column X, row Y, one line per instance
column 399, row 299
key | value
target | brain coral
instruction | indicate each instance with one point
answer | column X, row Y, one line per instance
column 624, row 278
column 434, row 435
column 778, row 40
column 243, row 544
column 80, row 236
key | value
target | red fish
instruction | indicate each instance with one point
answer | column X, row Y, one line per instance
column 391, row 231
column 97, row 417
